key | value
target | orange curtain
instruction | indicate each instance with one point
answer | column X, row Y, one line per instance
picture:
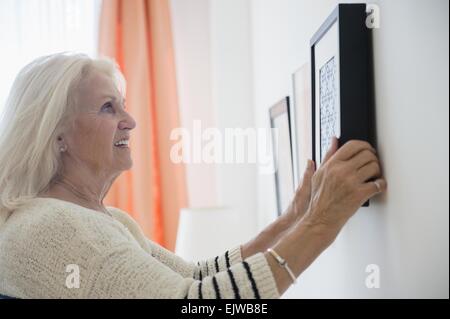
column 138, row 35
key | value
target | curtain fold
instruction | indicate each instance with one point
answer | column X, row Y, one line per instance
column 137, row 34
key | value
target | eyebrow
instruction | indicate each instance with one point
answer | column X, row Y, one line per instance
column 113, row 97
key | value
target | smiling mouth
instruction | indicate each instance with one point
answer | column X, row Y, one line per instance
column 122, row 143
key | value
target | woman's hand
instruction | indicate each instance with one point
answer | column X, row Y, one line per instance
column 338, row 188
column 300, row 203
column 284, row 224
column 347, row 178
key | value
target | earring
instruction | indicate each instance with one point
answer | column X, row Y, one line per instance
column 62, row 149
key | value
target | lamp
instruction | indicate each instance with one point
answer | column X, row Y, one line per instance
column 207, row 232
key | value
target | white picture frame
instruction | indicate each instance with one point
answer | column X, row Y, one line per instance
column 280, row 122
column 301, row 120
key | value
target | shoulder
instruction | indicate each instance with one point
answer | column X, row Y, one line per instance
column 44, row 219
column 131, row 225
column 120, row 215
column 123, row 217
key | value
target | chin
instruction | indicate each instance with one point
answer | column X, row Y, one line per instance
column 126, row 166
column 129, row 166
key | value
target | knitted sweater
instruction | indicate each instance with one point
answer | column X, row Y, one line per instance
column 42, row 242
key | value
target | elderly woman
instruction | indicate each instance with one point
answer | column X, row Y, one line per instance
column 64, row 137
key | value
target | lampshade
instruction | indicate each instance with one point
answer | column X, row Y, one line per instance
column 207, row 232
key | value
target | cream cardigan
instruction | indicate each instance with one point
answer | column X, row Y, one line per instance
column 41, row 241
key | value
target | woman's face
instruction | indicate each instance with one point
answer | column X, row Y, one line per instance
column 99, row 123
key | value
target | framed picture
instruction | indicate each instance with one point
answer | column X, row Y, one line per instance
column 341, row 80
column 282, row 152
column 301, row 121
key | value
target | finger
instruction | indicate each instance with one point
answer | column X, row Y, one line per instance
column 351, row 148
column 370, row 171
column 333, row 148
column 309, row 172
column 310, row 167
column 303, row 194
column 373, row 188
column 307, row 175
column 363, row 158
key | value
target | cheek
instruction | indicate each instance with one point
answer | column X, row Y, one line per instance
column 96, row 137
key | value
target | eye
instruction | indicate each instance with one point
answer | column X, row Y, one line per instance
column 107, row 106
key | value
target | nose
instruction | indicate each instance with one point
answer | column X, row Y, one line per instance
column 128, row 123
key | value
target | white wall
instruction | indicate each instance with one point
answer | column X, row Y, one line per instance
column 405, row 232
column 213, row 61
column 233, row 100
column 235, row 59
column 192, row 44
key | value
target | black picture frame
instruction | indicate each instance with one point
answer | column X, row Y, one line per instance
column 352, row 76
column 280, row 118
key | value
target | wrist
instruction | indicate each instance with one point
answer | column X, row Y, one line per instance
column 314, row 230
column 298, row 248
column 302, row 245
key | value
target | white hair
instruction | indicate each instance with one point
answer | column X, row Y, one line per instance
column 37, row 110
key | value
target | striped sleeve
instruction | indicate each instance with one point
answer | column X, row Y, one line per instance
column 223, row 277
column 127, row 271
column 248, row 279
column 159, row 273
column 197, row 270
column 217, row 264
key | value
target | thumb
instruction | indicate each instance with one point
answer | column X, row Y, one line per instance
column 307, row 178
column 333, row 148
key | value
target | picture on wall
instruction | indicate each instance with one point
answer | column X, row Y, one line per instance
column 329, row 109
column 301, row 121
column 282, row 153
column 341, row 80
